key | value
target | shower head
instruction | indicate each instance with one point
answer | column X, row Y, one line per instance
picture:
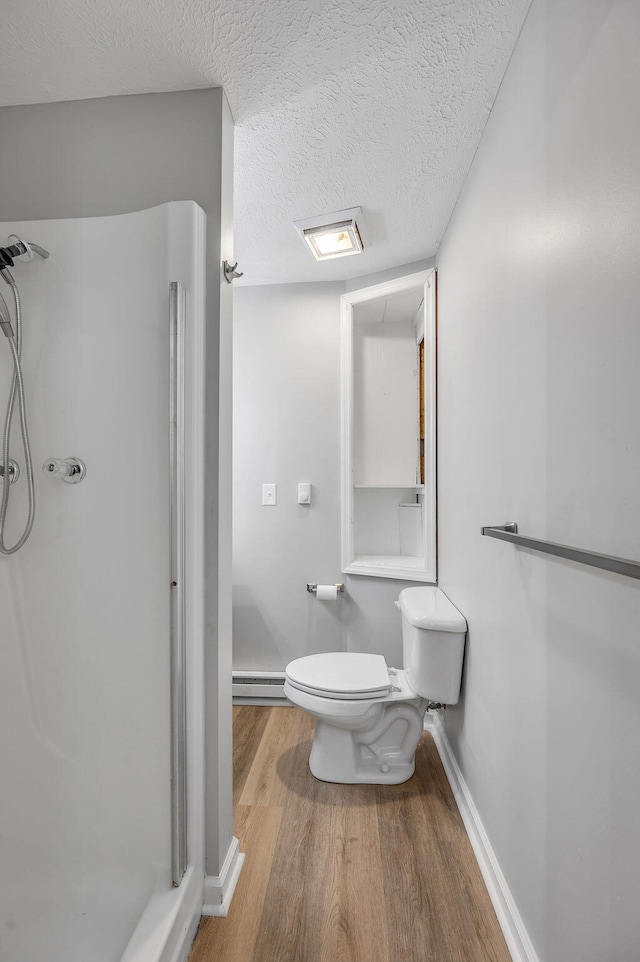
column 36, row 249
column 17, row 249
column 27, row 247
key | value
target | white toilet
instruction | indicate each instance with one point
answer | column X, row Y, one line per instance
column 370, row 717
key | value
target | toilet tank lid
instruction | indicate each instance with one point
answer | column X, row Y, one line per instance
column 429, row 607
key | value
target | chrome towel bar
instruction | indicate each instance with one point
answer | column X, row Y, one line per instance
column 509, row 532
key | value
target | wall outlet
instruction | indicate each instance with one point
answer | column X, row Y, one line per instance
column 269, row 494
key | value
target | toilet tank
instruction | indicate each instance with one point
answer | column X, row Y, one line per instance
column 433, row 633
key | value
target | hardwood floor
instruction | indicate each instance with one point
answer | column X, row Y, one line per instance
column 345, row 873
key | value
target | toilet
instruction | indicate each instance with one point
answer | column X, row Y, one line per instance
column 370, row 717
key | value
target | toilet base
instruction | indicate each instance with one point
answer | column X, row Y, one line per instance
column 383, row 756
column 368, row 770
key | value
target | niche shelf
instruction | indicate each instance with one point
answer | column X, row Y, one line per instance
column 388, row 429
column 396, row 487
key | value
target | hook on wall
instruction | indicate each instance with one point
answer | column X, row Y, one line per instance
column 230, row 271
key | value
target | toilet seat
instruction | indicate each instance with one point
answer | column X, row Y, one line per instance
column 342, row 675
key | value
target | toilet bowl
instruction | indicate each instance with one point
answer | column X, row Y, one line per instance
column 370, row 717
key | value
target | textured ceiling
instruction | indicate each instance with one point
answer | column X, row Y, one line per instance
column 338, row 103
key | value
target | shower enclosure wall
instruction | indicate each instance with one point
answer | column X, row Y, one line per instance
column 101, row 754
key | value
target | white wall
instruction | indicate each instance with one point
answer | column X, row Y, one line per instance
column 118, row 154
column 539, row 408
column 286, row 409
column 287, row 429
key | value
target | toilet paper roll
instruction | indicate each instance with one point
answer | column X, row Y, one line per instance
column 326, row 592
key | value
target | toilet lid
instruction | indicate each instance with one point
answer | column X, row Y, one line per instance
column 340, row 674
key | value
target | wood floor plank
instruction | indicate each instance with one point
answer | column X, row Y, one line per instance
column 303, row 869
column 233, row 938
column 266, row 781
column 358, row 896
column 414, row 925
column 468, row 911
column 249, row 723
column 438, row 906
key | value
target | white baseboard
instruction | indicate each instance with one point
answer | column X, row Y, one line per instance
column 513, row 929
column 219, row 889
column 249, row 687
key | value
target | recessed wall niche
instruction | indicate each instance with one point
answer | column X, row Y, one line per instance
column 388, row 429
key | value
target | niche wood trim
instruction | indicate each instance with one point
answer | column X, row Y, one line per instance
column 388, row 416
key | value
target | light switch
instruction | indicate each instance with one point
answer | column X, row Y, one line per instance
column 269, row 494
column 304, row 492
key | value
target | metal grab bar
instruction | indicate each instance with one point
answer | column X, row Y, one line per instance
column 509, row 532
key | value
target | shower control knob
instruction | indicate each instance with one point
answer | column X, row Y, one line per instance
column 70, row 470
column 14, row 471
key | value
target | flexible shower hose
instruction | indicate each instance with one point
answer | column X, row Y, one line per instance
column 17, row 391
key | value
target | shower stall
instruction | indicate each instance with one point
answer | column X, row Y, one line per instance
column 101, row 609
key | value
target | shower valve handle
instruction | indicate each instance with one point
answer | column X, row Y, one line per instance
column 71, row 470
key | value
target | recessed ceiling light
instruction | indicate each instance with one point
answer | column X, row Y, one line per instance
column 333, row 235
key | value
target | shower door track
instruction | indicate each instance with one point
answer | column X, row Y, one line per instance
column 177, row 315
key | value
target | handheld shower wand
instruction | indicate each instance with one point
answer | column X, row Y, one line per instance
column 10, row 470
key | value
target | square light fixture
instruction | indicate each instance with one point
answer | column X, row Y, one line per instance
column 333, row 235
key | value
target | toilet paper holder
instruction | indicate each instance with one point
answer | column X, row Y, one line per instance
column 314, row 588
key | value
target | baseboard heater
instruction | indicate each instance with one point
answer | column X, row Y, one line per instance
column 264, row 684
